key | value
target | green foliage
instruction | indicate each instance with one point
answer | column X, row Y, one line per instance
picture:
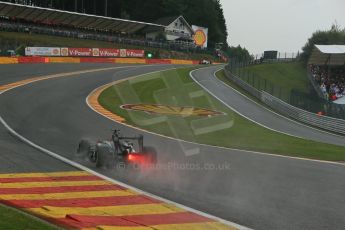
column 334, row 36
column 160, row 37
column 238, row 53
column 20, row 50
column 206, row 13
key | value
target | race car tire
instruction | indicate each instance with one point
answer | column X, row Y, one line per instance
column 105, row 158
column 85, row 148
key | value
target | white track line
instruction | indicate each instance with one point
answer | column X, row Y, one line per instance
column 81, row 167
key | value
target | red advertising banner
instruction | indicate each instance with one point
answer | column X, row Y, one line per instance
column 135, row 53
column 80, row 52
column 108, row 52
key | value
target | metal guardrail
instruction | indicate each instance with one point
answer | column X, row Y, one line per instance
column 323, row 122
column 244, row 85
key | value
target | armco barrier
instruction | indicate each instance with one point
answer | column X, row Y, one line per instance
column 323, row 122
column 8, row 60
column 244, row 85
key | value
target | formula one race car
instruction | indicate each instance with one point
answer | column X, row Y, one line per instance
column 119, row 152
column 205, row 62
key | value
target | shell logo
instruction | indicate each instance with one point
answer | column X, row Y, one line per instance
column 56, row 51
column 64, row 51
column 184, row 111
column 95, row 52
column 200, row 37
column 123, row 52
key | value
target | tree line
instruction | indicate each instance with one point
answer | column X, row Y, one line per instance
column 206, row 13
column 333, row 36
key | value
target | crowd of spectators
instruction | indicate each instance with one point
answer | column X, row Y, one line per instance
column 55, row 30
column 331, row 80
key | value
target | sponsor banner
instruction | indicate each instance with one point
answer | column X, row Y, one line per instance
column 108, row 52
column 123, row 53
column 135, row 53
column 95, row 52
column 83, row 52
column 80, row 52
column 119, row 53
column 200, row 36
column 172, row 110
column 42, row 51
column 64, row 52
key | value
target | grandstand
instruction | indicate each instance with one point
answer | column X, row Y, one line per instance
column 327, row 68
column 70, row 19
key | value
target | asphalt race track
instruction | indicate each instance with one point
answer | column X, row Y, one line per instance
column 258, row 191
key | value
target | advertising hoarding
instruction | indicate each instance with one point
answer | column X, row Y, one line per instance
column 83, row 52
column 135, row 53
column 200, row 36
column 42, row 51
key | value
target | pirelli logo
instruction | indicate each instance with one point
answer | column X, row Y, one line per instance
column 184, row 111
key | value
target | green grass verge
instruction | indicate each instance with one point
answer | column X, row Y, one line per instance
column 290, row 76
column 279, row 79
column 11, row 219
column 174, row 87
